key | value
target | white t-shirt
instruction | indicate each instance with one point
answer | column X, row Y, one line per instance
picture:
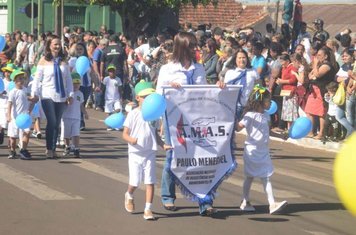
column 73, row 111
column 4, row 97
column 20, row 103
column 112, row 88
column 145, row 132
column 251, row 77
column 44, row 83
column 175, row 72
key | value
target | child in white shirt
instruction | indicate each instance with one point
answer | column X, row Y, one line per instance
column 113, row 92
column 71, row 118
column 142, row 138
column 257, row 160
column 18, row 103
column 7, row 70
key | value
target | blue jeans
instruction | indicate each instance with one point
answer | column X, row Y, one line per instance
column 351, row 110
column 340, row 117
column 168, row 190
column 86, row 93
column 53, row 111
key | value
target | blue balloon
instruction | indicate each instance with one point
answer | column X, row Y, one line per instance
column 36, row 109
column 2, row 43
column 11, row 86
column 115, row 120
column 2, row 86
column 273, row 108
column 300, row 128
column 82, row 65
column 153, row 107
column 23, row 121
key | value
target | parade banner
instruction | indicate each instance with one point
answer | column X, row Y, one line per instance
column 201, row 122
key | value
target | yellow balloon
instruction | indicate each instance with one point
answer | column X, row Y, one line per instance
column 345, row 174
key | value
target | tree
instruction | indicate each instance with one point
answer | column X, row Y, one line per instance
column 137, row 14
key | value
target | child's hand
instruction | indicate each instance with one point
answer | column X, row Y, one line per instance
column 70, row 100
column 167, row 147
column 97, row 89
column 134, row 141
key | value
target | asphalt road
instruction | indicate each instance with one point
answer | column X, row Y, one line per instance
column 86, row 196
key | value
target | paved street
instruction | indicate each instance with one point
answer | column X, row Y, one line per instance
column 86, row 196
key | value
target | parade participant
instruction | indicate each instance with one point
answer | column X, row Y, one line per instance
column 241, row 74
column 54, row 84
column 113, row 92
column 257, row 160
column 71, row 118
column 7, row 70
column 142, row 138
column 18, row 103
column 183, row 70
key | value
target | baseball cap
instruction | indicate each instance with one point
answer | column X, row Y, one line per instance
column 144, row 88
column 76, row 78
column 111, row 66
column 16, row 73
column 8, row 68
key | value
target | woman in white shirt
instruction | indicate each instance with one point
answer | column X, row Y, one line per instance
column 182, row 70
column 241, row 73
column 53, row 83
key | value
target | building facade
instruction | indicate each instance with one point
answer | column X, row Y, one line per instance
column 17, row 14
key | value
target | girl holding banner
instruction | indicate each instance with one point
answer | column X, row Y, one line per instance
column 183, row 70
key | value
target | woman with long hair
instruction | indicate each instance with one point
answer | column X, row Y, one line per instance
column 182, row 70
column 210, row 60
column 53, row 83
column 323, row 72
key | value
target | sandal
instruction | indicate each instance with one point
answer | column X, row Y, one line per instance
column 318, row 137
column 209, row 211
column 169, row 206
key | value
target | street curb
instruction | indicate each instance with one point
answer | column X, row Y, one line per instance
column 307, row 143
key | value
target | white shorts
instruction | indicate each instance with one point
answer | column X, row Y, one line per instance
column 13, row 131
column 112, row 106
column 71, row 127
column 3, row 118
column 142, row 168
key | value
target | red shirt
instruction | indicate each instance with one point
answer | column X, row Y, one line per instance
column 287, row 75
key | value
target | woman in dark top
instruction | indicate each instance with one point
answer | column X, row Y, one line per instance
column 210, row 61
column 324, row 71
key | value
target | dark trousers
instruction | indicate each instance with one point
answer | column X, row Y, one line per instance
column 53, row 111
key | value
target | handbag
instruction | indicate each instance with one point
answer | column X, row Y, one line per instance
column 340, row 95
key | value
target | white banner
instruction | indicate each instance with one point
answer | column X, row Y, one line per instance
column 201, row 121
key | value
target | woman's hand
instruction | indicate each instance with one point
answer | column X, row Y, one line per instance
column 167, row 147
column 70, row 100
column 221, row 84
column 175, row 85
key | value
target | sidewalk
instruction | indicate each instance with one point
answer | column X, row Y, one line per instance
column 308, row 143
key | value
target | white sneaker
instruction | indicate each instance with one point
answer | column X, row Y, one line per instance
column 148, row 215
column 246, row 206
column 277, row 207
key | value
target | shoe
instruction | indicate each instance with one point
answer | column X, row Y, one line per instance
column 51, row 154
column 34, row 134
column 148, row 215
column 66, row 151
column 12, row 155
column 169, row 206
column 76, row 153
column 109, row 129
column 82, row 128
column 25, row 155
column 209, row 211
column 277, row 129
column 39, row 135
column 2, row 136
column 60, row 144
column 129, row 204
column 246, row 206
column 99, row 109
column 277, row 207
